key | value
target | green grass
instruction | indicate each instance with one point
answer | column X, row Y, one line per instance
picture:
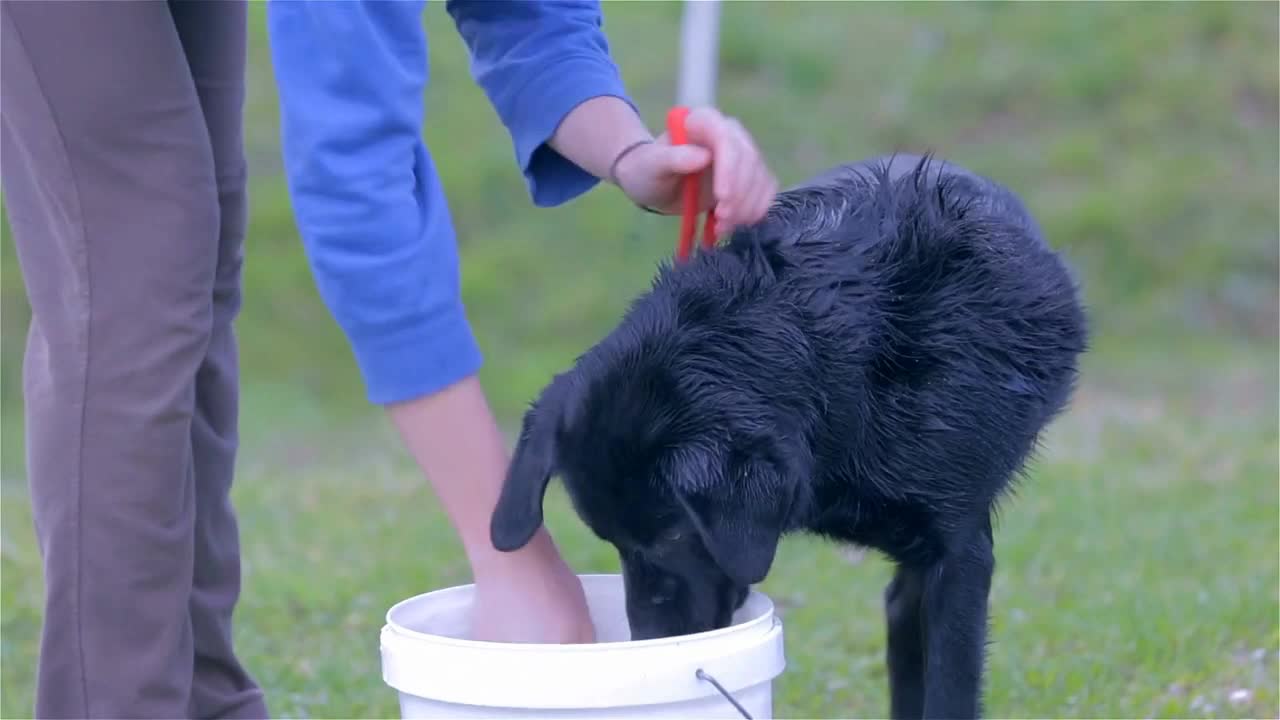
column 1137, row 567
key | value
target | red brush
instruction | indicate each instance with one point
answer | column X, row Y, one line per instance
column 689, row 213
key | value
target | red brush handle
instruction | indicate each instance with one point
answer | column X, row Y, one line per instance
column 690, row 191
column 689, row 212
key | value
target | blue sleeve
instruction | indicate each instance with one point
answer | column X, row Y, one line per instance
column 536, row 61
column 368, row 202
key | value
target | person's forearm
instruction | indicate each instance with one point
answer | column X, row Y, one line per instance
column 594, row 132
column 457, row 443
column 371, row 210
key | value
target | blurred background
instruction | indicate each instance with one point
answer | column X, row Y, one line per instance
column 1137, row 567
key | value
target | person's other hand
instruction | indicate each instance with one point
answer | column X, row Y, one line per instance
column 530, row 596
column 739, row 184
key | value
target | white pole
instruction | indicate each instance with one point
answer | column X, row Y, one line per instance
column 699, row 53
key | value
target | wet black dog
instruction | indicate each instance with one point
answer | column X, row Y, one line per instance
column 873, row 363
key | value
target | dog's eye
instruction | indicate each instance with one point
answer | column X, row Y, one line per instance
column 665, row 544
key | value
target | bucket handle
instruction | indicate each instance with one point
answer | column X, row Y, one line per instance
column 706, row 677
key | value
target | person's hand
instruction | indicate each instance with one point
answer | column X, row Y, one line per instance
column 739, row 184
column 530, row 596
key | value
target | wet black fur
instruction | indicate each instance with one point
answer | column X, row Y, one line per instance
column 873, row 363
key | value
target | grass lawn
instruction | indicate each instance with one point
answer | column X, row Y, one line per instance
column 1137, row 568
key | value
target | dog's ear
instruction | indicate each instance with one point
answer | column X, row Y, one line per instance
column 741, row 514
column 518, row 513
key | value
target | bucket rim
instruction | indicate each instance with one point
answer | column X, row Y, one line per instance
column 766, row 618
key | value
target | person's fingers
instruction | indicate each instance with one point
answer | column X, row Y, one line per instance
column 766, row 186
column 727, row 168
column 677, row 162
column 769, row 195
column 751, row 180
column 707, row 127
column 757, row 185
column 741, row 186
column 763, row 197
column 748, row 163
column 685, row 159
column 761, row 188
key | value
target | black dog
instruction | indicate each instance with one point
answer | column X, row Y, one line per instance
column 873, row 363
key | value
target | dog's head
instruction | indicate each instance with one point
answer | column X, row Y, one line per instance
column 672, row 443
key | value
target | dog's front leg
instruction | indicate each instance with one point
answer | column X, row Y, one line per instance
column 904, row 616
column 956, row 590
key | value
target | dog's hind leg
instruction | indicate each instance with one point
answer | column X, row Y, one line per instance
column 956, row 591
column 906, row 637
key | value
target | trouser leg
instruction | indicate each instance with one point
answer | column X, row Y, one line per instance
column 110, row 182
column 213, row 37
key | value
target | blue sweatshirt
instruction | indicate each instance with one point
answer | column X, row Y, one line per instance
column 369, row 204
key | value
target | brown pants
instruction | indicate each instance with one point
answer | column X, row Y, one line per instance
column 124, row 176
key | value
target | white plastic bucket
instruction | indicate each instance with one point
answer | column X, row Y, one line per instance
column 438, row 673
